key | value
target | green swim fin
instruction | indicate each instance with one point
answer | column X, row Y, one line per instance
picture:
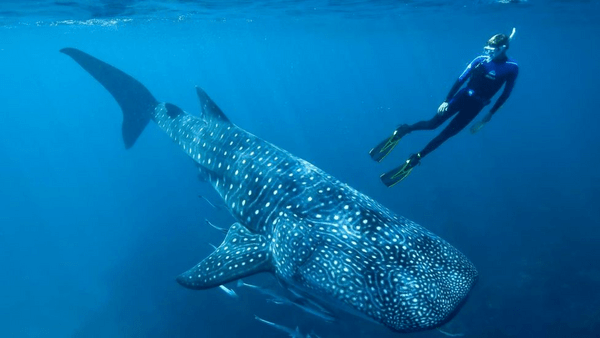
column 394, row 176
column 386, row 146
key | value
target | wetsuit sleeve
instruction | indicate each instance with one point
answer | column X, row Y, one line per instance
column 463, row 77
column 454, row 89
column 508, row 87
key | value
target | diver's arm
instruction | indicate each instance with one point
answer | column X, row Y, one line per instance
column 508, row 87
column 463, row 77
column 454, row 89
column 444, row 106
column 458, row 83
column 505, row 94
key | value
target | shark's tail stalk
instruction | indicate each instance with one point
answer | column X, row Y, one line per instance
column 135, row 100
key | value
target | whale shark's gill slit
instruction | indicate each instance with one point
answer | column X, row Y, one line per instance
column 136, row 102
column 241, row 254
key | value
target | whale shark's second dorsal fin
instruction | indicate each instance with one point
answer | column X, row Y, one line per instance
column 241, row 254
column 208, row 108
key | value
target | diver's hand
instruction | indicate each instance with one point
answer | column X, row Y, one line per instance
column 487, row 118
column 475, row 128
column 443, row 108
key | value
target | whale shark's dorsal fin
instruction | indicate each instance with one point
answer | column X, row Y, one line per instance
column 135, row 100
column 208, row 108
column 241, row 254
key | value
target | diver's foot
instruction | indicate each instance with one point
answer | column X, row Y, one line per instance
column 401, row 131
column 414, row 160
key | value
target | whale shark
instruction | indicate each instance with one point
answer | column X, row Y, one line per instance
column 319, row 237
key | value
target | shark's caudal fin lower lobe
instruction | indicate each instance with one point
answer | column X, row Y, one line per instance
column 241, row 254
column 135, row 100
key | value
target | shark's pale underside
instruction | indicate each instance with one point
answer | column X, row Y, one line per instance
column 321, row 238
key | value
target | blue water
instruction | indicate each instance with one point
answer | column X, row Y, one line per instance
column 92, row 236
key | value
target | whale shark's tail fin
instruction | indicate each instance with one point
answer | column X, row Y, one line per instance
column 135, row 100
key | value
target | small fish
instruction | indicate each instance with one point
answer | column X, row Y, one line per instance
column 229, row 292
column 276, row 301
column 451, row 334
column 292, row 333
column 223, row 230
column 314, row 309
column 210, row 203
column 264, row 291
column 303, row 304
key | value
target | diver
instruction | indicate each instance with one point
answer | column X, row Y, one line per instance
column 486, row 74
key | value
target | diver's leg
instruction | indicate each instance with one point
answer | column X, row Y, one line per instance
column 462, row 119
column 453, row 107
column 431, row 124
column 385, row 147
column 467, row 110
column 381, row 150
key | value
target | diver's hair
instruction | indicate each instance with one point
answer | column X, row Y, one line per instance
column 499, row 40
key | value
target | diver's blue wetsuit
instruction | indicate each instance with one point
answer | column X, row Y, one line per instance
column 485, row 79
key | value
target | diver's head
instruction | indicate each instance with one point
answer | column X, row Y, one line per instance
column 496, row 46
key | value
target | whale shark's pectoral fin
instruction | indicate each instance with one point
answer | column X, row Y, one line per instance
column 241, row 254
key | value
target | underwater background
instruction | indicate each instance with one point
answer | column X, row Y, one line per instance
column 92, row 235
